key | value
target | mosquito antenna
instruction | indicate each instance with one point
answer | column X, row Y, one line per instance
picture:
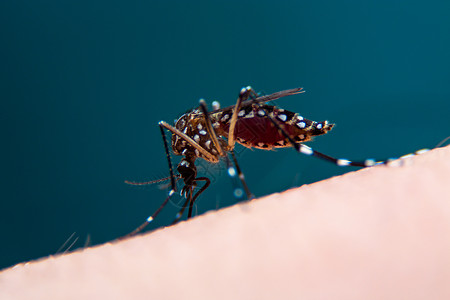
column 151, row 182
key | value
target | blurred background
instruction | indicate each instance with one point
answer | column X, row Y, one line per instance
column 84, row 84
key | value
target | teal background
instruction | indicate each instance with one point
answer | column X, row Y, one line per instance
column 84, row 84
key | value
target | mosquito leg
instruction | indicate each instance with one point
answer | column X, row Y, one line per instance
column 311, row 152
column 241, row 177
column 243, row 95
column 212, row 134
column 190, row 141
column 169, row 161
column 149, row 219
column 203, row 188
column 180, row 213
column 232, row 174
column 210, row 129
column 191, row 203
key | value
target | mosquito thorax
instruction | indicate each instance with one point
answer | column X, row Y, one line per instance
column 193, row 125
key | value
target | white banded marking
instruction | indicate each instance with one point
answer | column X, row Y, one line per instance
column 421, row 151
column 250, row 115
column 306, row 150
column 343, row 162
column 370, row 162
column 282, row 117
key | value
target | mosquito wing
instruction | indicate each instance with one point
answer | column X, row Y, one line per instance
column 264, row 99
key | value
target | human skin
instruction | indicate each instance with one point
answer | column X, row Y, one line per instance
column 377, row 233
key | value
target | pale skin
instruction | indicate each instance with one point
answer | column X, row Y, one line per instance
column 378, row 233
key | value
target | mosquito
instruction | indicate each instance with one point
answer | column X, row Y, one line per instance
column 211, row 135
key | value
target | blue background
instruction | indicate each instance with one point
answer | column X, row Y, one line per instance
column 84, row 84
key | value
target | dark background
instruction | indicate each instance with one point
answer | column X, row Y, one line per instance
column 84, row 84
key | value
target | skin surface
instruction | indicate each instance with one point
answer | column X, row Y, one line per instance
column 377, row 233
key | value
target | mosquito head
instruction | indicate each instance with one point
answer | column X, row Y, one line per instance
column 187, row 170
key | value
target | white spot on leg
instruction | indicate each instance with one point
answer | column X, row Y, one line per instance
column 343, row 162
column 199, row 126
column 369, row 162
column 231, row 171
column 149, row 219
column 418, row 152
column 196, row 138
column 208, row 144
column 306, row 150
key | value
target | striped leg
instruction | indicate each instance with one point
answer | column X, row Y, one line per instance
column 244, row 94
column 337, row 161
